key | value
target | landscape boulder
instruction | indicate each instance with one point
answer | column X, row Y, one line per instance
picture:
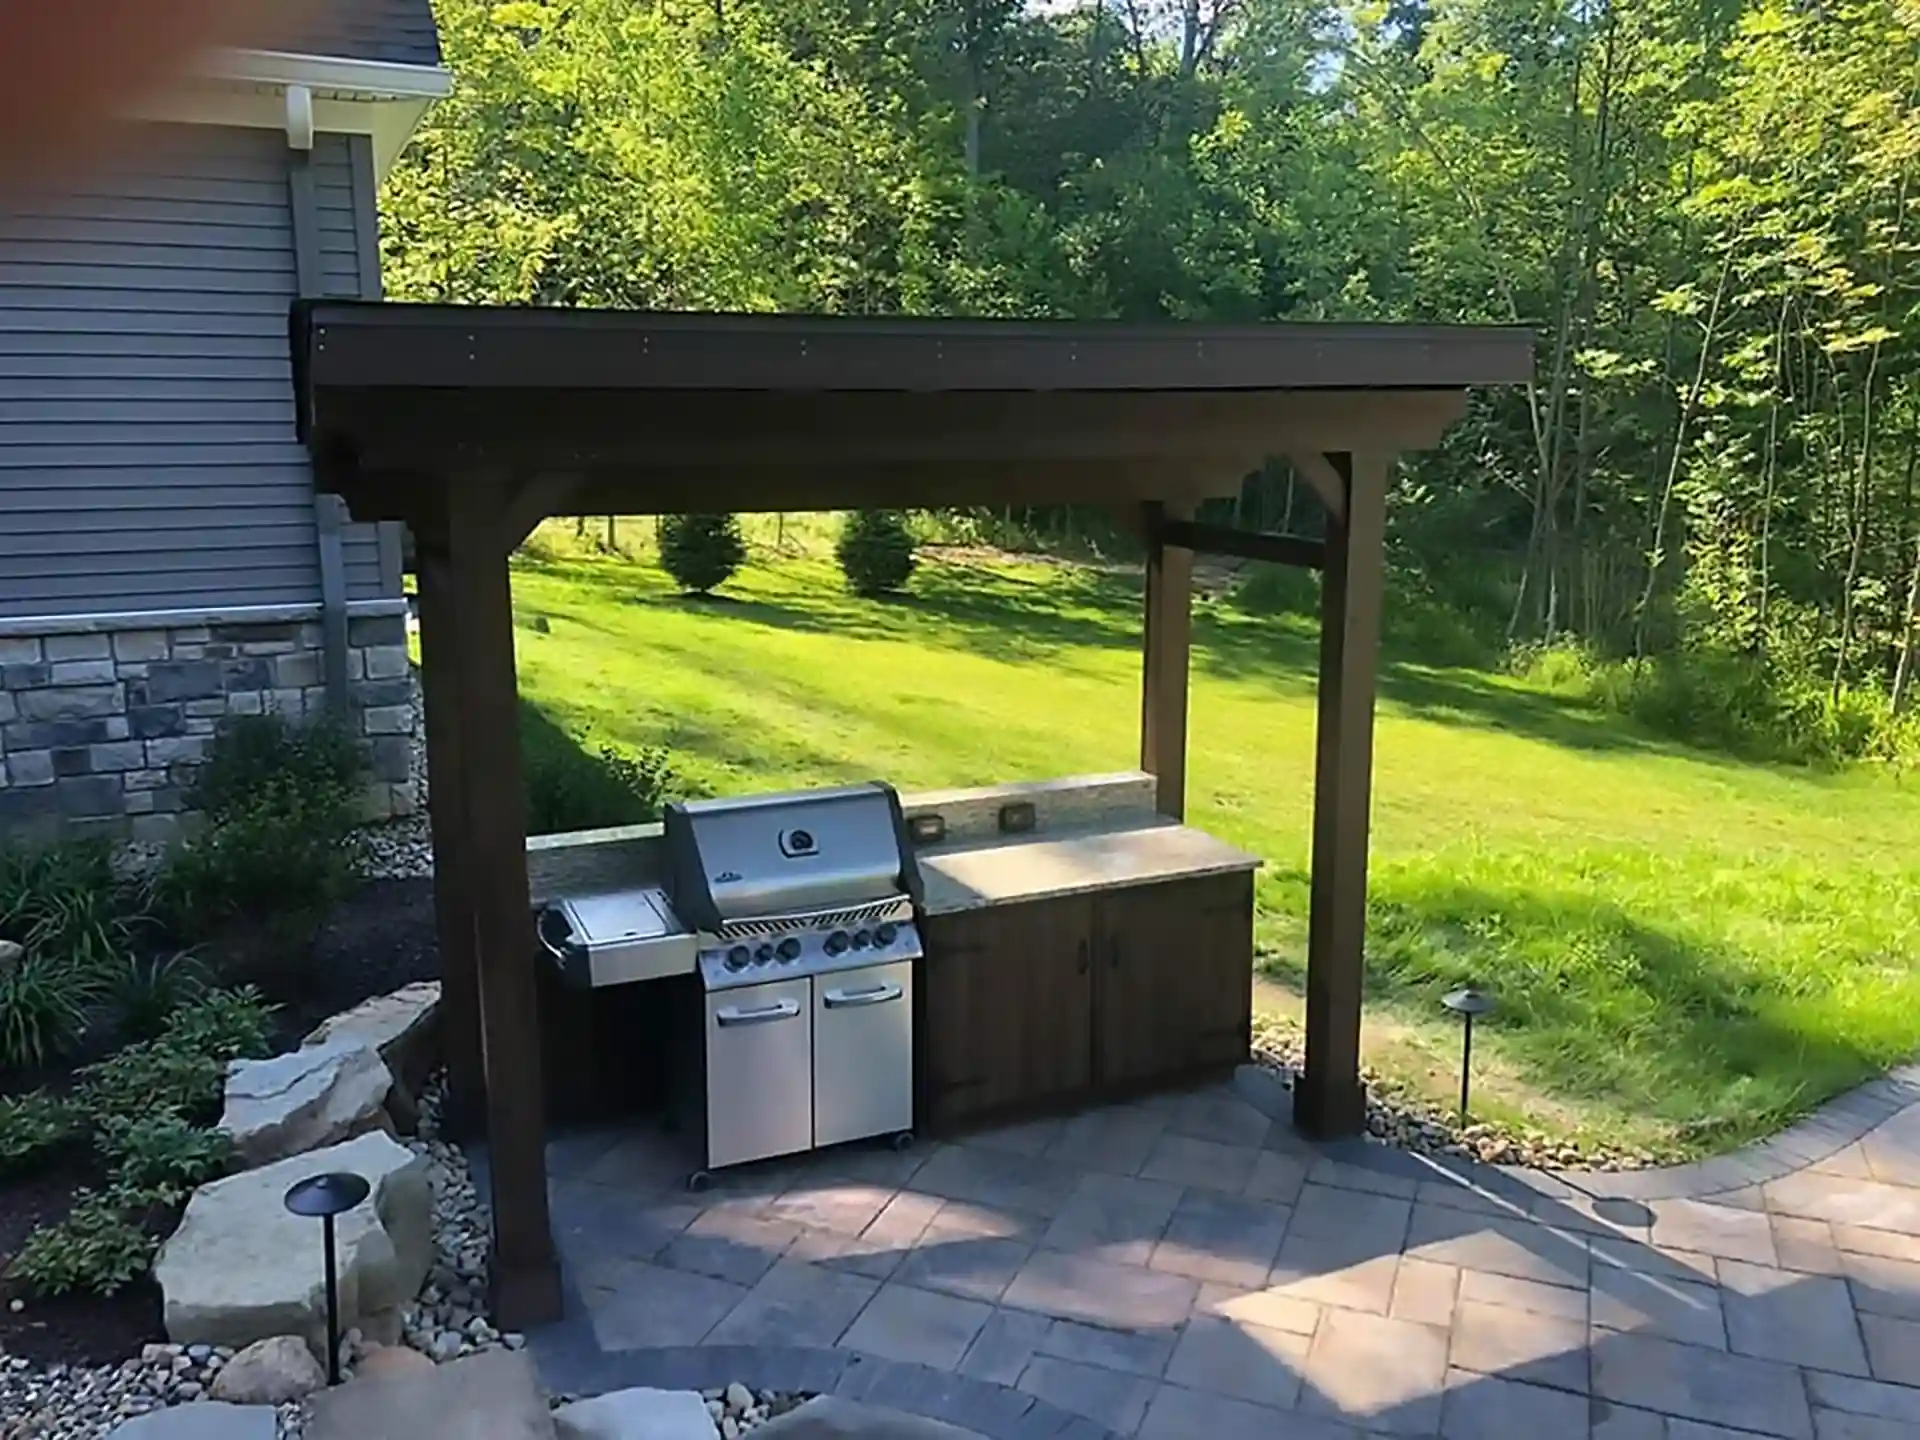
column 491, row 1396
column 240, row 1268
column 637, row 1414
column 386, row 1361
column 201, row 1420
column 403, row 1027
column 274, row 1371
column 304, row 1099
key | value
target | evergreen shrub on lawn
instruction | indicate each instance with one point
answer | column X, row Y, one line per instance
column 701, row 551
column 876, row 551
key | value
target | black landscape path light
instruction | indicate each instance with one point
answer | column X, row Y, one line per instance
column 326, row 1196
column 1466, row 1003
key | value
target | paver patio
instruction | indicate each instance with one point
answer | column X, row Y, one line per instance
column 1188, row 1266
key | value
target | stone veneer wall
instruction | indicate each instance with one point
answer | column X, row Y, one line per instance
column 101, row 731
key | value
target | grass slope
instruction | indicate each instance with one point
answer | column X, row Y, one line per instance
column 1687, row 951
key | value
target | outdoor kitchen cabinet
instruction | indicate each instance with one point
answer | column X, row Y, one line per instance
column 1031, row 1004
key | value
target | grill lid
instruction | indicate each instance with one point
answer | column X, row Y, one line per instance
column 619, row 918
column 762, row 855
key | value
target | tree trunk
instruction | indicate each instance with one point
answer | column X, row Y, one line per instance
column 1657, row 551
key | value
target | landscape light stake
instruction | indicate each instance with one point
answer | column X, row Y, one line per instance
column 1466, row 1004
column 326, row 1196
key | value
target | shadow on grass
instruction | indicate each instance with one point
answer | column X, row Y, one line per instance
column 1600, row 1004
column 1047, row 618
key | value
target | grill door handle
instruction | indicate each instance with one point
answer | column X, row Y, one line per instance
column 761, row 1015
column 866, row 995
column 1080, row 960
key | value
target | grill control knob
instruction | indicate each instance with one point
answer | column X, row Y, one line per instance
column 763, row 955
column 837, row 942
column 883, row 935
column 860, row 939
column 789, row 950
column 737, row 958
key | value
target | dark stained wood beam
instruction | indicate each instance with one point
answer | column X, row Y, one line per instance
column 526, row 1274
column 1330, row 1101
column 1292, row 550
column 446, row 818
column 1165, row 653
column 1324, row 480
column 534, row 500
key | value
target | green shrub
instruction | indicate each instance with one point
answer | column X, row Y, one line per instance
column 148, row 1078
column 102, row 1245
column 181, row 1071
column 701, row 551
column 1737, row 704
column 280, row 804
column 875, row 551
column 30, row 1126
column 572, row 788
column 1266, row 589
column 229, row 1024
column 64, row 904
column 252, row 753
column 43, row 1008
column 145, row 989
column 161, row 1151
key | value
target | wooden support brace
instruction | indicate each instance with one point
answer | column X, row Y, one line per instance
column 1325, row 478
column 1330, row 1101
column 1165, row 652
column 526, row 1276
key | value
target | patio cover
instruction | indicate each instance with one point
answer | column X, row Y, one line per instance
column 472, row 424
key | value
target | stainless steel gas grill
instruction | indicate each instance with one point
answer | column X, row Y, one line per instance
column 804, row 908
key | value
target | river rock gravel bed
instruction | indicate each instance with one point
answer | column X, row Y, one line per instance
column 1398, row 1116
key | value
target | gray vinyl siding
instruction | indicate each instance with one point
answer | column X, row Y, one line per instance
column 147, row 451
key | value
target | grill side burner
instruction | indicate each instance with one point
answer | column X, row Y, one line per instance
column 805, row 907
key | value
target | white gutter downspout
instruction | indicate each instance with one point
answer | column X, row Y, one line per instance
column 309, row 282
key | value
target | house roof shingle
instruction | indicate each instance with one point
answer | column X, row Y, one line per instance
column 400, row 32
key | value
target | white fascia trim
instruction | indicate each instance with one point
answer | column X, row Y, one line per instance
column 377, row 79
column 20, row 625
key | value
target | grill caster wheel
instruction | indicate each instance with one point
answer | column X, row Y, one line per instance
column 902, row 1142
column 700, row 1181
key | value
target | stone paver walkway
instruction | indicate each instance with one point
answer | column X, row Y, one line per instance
column 1187, row 1266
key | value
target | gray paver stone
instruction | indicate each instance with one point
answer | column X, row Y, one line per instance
column 1485, row 1407
column 639, row 1413
column 1697, row 1384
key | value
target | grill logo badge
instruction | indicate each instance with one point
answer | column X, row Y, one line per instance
column 727, row 877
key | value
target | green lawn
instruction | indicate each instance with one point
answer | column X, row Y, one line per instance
column 1687, row 950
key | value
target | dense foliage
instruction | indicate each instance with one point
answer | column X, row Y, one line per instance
column 701, row 551
column 875, row 551
column 148, row 1111
column 571, row 787
column 1705, row 209
column 279, row 802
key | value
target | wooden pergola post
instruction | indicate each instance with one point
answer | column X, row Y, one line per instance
column 446, row 819
column 1166, row 648
column 526, row 1276
column 1330, row 1101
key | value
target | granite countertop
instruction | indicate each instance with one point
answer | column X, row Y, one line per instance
column 1039, row 867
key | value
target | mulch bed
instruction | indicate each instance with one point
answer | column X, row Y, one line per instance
column 379, row 939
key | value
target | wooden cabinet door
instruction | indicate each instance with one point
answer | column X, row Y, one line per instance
column 1173, row 979
column 1006, row 1023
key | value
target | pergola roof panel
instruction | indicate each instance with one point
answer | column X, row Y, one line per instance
column 380, row 345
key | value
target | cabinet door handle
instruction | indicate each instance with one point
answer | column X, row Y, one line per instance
column 1113, row 953
column 1081, row 963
